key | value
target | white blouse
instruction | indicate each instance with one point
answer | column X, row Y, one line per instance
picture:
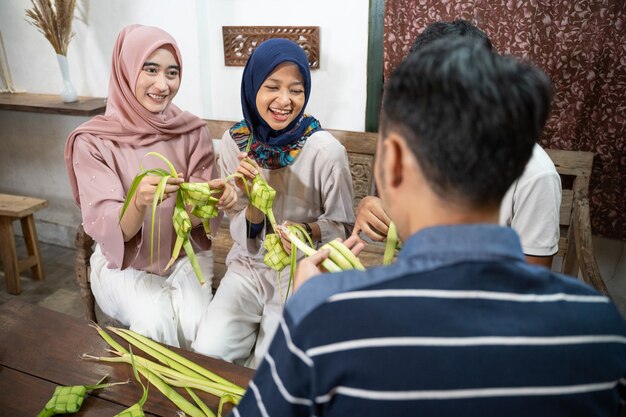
column 316, row 187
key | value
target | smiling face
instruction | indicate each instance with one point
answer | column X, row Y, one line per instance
column 158, row 81
column 281, row 96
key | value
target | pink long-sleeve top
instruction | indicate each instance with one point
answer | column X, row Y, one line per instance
column 105, row 170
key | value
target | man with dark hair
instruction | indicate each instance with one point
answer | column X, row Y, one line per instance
column 456, row 28
column 532, row 203
column 460, row 324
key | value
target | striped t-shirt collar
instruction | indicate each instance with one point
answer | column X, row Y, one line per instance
column 463, row 243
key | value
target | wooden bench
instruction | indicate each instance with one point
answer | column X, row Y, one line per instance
column 361, row 148
column 14, row 207
column 575, row 245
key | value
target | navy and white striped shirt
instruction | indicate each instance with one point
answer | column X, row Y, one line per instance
column 459, row 325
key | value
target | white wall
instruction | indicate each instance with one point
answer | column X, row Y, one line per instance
column 31, row 155
column 33, row 63
column 32, row 164
column 209, row 89
column 338, row 87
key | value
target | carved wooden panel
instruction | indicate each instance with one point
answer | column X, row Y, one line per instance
column 240, row 41
column 361, row 168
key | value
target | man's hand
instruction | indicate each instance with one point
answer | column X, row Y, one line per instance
column 355, row 244
column 312, row 265
column 309, row 267
column 371, row 219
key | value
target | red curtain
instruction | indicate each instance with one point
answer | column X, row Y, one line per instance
column 581, row 45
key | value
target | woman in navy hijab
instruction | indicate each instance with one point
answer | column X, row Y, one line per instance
column 309, row 170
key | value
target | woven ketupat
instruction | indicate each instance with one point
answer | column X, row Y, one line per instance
column 276, row 257
column 262, row 197
column 200, row 197
column 182, row 227
column 66, row 399
column 134, row 411
column 197, row 193
column 205, row 212
column 181, row 222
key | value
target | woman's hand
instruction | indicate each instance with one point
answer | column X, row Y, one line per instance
column 148, row 186
column 248, row 168
column 136, row 212
column 285, row 242
column 315, row 234
column 228, row 196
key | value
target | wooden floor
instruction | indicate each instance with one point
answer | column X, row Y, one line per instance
column 59, row 291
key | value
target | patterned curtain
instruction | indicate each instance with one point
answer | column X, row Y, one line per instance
column 581, row 45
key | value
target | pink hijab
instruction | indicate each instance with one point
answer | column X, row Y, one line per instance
column 125, row 119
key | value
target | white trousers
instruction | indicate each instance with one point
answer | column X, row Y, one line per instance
column 167, row 309
column 241, row 320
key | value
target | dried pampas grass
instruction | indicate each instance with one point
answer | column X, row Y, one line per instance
column 55, row 22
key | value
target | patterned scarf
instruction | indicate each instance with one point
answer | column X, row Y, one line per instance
column 272, row 156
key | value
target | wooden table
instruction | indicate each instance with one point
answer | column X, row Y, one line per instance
column 40, row 349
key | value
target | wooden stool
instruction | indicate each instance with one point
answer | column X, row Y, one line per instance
column 13, row 207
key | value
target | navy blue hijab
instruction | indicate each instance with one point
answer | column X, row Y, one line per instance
column 265, row 58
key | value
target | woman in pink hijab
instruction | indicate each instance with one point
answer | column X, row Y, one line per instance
column 103, row 156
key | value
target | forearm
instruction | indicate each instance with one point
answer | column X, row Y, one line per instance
column 316, row 232
column 545, row 261
column 254, row 215
column 133, row 219
column 330, row 229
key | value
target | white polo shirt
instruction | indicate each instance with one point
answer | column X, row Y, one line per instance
column 531, row 206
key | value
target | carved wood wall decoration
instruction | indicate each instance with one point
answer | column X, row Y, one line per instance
column 240, row 41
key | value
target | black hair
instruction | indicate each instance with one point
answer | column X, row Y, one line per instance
column 456, row 28
column 470, row 117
